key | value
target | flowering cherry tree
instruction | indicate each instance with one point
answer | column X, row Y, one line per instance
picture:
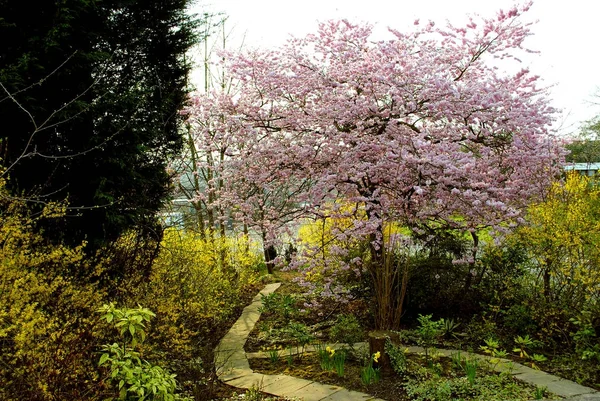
column 423, row 129
column 239, row 181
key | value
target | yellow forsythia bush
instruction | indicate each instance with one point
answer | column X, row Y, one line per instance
column 47, row 327
column 195, row 283
column 562, row 237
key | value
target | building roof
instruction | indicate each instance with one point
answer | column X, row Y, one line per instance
column 582, row 166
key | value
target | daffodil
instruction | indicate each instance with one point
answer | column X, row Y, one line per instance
column 376, row 356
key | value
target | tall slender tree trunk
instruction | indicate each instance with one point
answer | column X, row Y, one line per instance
column 270, row 254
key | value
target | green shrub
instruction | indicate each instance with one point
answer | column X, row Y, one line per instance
column 194, row 284
column 587, row 343
column 482, row 388
column 346, row 330
column 299, row 334
column 428, row 332
column 397, row 357
column 283, row 305
column 135, row 379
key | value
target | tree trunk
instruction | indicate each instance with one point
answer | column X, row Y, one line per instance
column 270, row 254
column 377, row 340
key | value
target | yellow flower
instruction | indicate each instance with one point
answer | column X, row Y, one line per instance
column 330, row 350
column 376, row 356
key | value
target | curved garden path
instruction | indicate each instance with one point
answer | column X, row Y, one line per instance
column 232, row 367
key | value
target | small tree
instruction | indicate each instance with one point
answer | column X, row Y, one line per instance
column 419, row 129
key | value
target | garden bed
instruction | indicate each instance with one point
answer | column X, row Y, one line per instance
column 437, row 378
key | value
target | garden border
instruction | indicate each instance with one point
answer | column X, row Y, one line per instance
column 232, row 367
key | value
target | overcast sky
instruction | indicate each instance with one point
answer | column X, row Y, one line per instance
column 566, row 34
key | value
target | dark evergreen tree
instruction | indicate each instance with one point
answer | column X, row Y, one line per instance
column 89, row 107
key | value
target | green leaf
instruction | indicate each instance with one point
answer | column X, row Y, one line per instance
column 103, row 359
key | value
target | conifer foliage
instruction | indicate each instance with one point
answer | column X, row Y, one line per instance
column 89, row 103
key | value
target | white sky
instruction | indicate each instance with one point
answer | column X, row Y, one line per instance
column 567, row 35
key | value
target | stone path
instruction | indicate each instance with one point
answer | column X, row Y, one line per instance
column 231, row 362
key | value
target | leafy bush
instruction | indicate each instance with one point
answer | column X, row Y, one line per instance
column 135, row 378
column 438, row 283
column 49, row 294
column 428, row 332
column 346, row 330
column 483, row 388
column 47, row 298
column 299, row 334
column 195, row 283
column 587, row 342
column 279, row 304
column 561, row 238
column 397, row 357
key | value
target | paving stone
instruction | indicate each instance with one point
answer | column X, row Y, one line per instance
column 236, row 335
column 537, row 378
column 254, row 308
column 283, row 385
column 567, row 388
column 245, row 324
column 256, row 355
column 269, row 288
column 348, row 395
column 249, row 317
column 240, row 330
column 226, row 374
column 314, row 392
column 235, row 360
column 272, row 384
column 229, row 348
column 514, row 368
column 232, row 341
column 413, row 349
column 247, row 381
column 258, row 297
column 230, row 355
column 586, row 397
